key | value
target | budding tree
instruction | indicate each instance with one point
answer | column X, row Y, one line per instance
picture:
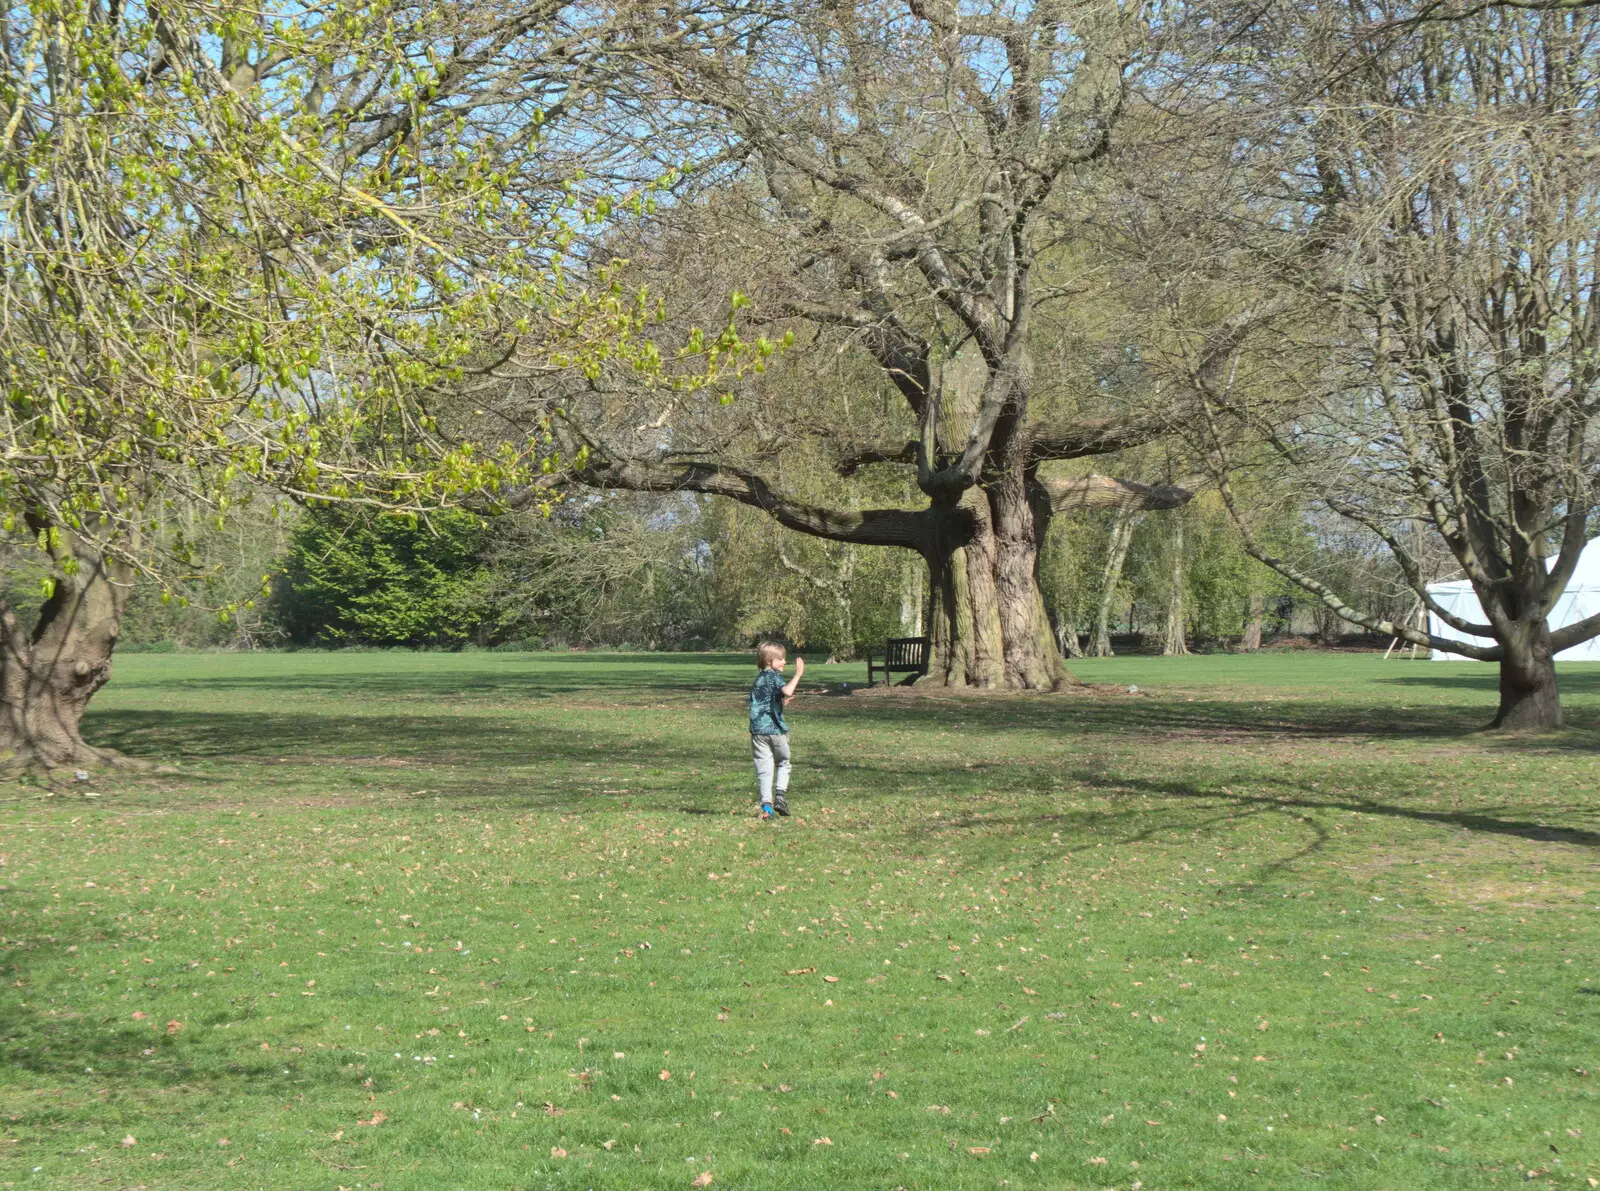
column 237, row 246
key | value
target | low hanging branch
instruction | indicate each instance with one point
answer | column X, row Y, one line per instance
column 1104, row 492
column 866, row 527
column 1222, row 470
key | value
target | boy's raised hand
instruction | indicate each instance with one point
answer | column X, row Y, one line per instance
column 788, row 687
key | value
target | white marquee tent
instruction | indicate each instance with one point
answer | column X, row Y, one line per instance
column 1579, row 601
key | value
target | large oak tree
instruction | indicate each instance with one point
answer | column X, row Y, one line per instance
column 904, row 182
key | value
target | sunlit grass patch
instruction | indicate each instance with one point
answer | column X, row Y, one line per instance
column 507, row 921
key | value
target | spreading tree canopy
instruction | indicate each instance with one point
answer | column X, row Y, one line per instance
column 902, row 184
column 239, row 246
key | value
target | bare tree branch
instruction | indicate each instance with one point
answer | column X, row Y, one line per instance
column 1105, row 492
column 868, row 527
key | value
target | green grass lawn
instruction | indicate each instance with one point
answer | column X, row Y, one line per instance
column 508, row 921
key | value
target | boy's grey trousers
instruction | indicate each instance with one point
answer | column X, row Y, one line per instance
column 771, row 755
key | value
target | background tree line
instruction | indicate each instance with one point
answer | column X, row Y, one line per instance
column 645, row 571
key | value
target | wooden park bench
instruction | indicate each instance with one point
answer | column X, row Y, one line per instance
column 901, row 655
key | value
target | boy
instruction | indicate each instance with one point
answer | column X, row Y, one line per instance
column 769, row 735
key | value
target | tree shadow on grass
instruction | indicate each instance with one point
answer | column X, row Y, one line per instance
column 1203, row 812
column 442, row 761
column 1215, row 808
column 260, row 736
column 1219, row 721
column 130, row 1060
column 538, row 764
column 517, row 765
column 1116, row 717
column 120, row 1046
column 522, row 676
column 1468, row 676
column 115, row 1051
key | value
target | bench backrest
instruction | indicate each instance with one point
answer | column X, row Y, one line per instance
column 906, row 653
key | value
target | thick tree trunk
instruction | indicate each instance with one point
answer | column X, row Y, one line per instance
column 1530, row 699
column 1250, row 642
column 964, row 622
column 1121, row 534
column 1021, row 516
column 988, row 622
column 47, row 677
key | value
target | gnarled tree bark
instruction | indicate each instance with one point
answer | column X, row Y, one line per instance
column 49, row 674
column 1530, row 698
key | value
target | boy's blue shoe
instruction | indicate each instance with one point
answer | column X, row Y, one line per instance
column 766, row 810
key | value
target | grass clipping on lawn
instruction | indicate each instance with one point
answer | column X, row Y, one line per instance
column 499, row 920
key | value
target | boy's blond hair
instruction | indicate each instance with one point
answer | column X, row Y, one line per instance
column 768, row 652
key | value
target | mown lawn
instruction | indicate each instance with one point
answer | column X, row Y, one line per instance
column 508, row 921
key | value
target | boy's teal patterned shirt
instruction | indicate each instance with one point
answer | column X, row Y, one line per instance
column 766, row 705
